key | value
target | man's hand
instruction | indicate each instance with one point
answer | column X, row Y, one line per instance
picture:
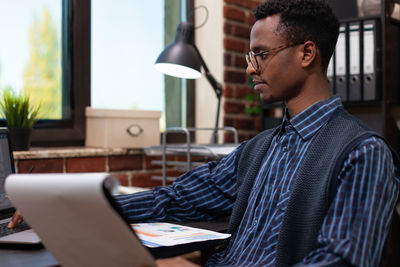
column 175, row 262
column 15, row 220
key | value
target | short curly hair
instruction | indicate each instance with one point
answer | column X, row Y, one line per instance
column 304, row 20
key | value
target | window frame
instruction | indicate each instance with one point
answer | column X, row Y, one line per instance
column 75, row 80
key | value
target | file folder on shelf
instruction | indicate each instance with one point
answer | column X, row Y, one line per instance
column 370, row 76
column 354, row 57
column 340, row 60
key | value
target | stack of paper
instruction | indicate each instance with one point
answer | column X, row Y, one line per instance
column 166, row 234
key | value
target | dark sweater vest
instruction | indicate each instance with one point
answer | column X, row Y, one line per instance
column 314, row 188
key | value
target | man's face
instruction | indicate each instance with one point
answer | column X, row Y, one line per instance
column 278, row 77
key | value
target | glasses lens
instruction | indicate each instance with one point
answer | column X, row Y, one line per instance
column 250, row 58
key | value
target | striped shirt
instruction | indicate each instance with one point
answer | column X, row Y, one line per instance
column 355, row 227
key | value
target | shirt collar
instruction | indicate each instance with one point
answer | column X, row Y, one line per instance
column 310, row 120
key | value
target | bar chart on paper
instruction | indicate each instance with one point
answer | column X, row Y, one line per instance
column 167, row 234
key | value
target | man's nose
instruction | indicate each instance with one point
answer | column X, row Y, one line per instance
column 250, row 69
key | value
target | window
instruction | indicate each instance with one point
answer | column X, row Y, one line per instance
column 30, row 52
column 127, row 38
column 50, row 60
column 72, row 69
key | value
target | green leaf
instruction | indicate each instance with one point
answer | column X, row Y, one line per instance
column 250, row 97
column 249, row 110
column 256, row 110
column 250, row 83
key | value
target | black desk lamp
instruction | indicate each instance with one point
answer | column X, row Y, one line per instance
column 182, row 59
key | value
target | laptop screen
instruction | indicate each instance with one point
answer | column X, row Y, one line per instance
column 6, row 166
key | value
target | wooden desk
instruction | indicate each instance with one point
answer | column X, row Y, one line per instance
column 39, row 257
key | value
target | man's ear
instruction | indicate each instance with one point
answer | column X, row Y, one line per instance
column 309, row 54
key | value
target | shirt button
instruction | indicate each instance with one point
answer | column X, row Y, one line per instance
column 284, row 148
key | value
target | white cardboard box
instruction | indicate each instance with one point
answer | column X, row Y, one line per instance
column 122, row 128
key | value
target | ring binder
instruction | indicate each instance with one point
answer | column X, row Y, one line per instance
column 340, row 58
column 370, row 93
column 354, row 51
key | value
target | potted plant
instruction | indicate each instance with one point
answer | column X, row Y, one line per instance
column 20, row 117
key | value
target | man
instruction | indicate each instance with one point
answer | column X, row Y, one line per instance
column 318, row 190
column 274, row 200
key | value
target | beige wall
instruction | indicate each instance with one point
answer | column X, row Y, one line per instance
column 209, row 40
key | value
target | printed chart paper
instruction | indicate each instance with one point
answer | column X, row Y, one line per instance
column 166, row 234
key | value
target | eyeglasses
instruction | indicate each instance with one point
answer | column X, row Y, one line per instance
column 251, row 56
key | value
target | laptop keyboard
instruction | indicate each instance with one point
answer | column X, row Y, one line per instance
column 20, row 227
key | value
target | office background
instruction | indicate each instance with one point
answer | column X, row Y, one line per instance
column 223, row 41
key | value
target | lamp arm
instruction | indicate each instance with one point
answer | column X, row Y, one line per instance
column 211, row 79
column 218, row 91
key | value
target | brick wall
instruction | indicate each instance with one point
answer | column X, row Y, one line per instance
column 132, row 168
column 238, row 19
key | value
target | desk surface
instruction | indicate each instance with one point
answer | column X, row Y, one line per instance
column 40, row 257
column 21, row 257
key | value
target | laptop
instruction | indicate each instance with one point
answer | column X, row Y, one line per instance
column 77, row 218
column 22, row 234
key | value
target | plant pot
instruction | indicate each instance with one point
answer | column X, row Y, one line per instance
column 20, row 138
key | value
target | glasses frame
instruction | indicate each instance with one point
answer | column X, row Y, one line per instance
column 251, row 56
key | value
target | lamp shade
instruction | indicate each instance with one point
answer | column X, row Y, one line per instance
column 180, row 59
